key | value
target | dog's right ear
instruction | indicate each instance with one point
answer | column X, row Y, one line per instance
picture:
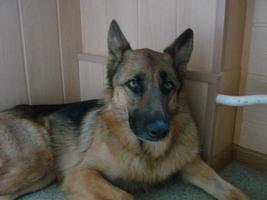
column 117, row 45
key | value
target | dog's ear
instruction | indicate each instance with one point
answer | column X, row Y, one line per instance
column 117, row 42
column 180, row 50
column 117, row 45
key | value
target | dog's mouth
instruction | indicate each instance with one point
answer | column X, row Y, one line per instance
column 151, row 136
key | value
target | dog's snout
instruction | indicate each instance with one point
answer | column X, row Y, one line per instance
column 158, row 129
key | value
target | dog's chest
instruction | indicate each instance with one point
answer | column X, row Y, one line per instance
column 128, row 169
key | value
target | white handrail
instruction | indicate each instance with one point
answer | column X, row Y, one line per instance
column 241, row 100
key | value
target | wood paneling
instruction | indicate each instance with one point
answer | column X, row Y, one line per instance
column 39, row 43
column 253, row 131
column 258, row 53
column 92, row 84
column 201, row 17
column 253, row 135
column 71, row 45
column 94, row 26
column 12, row 75
column 42, row 50
column 252, row 123
column 198, row 90
column 125, row 12
column 234, row 33
column 260, row 16
column 152, row 24
column 157, row 23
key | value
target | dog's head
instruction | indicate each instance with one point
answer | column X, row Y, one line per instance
column 145, row 83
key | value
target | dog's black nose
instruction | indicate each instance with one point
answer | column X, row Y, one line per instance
column 158, row 129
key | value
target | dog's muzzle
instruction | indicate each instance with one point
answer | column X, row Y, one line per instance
column 155, row 131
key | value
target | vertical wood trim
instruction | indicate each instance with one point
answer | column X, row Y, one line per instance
column 213, row 88
column 41, row 41
column 219, row 36
column 210, row 120
column 60, row 52
column 244, row 65
column 25, row 62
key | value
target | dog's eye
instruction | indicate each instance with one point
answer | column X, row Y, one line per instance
column 135, row 86
column 168, row 85
column 133, row 83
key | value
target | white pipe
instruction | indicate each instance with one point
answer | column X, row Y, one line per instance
column 241, row 100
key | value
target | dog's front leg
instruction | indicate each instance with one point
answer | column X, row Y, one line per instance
column 89, row 184
column 200, row 174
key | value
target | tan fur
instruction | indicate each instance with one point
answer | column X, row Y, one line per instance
column 26, row 158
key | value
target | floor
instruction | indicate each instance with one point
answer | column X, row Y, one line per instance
column 252, row 182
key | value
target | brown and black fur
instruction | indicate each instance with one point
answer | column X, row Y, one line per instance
column 141, row 134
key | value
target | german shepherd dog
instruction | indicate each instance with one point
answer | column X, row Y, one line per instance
column 141, row 134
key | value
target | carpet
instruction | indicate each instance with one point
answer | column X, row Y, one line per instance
column 251, row 181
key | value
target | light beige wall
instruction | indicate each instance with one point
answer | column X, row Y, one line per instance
column 253, row 134
column 39, row 41
column 152, row 24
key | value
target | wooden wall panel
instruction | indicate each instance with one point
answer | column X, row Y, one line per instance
column 152, row 24
column 94, row 26
column 258, row 58
column 234, row 34
column 157, row 23
column 12, row 75
column 252, row 123
column 42, row 50
column 260, row 9
column 92, row 84
column 71, row 46
column 200, row 15
column 125, row 12
column 198, row 91
column 253, row 136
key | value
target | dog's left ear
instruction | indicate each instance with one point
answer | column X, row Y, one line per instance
column 181, row 49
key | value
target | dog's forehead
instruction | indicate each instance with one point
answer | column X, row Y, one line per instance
column 147, row 58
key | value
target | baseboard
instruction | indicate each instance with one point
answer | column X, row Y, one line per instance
column 222, row 159
column 249, row 157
